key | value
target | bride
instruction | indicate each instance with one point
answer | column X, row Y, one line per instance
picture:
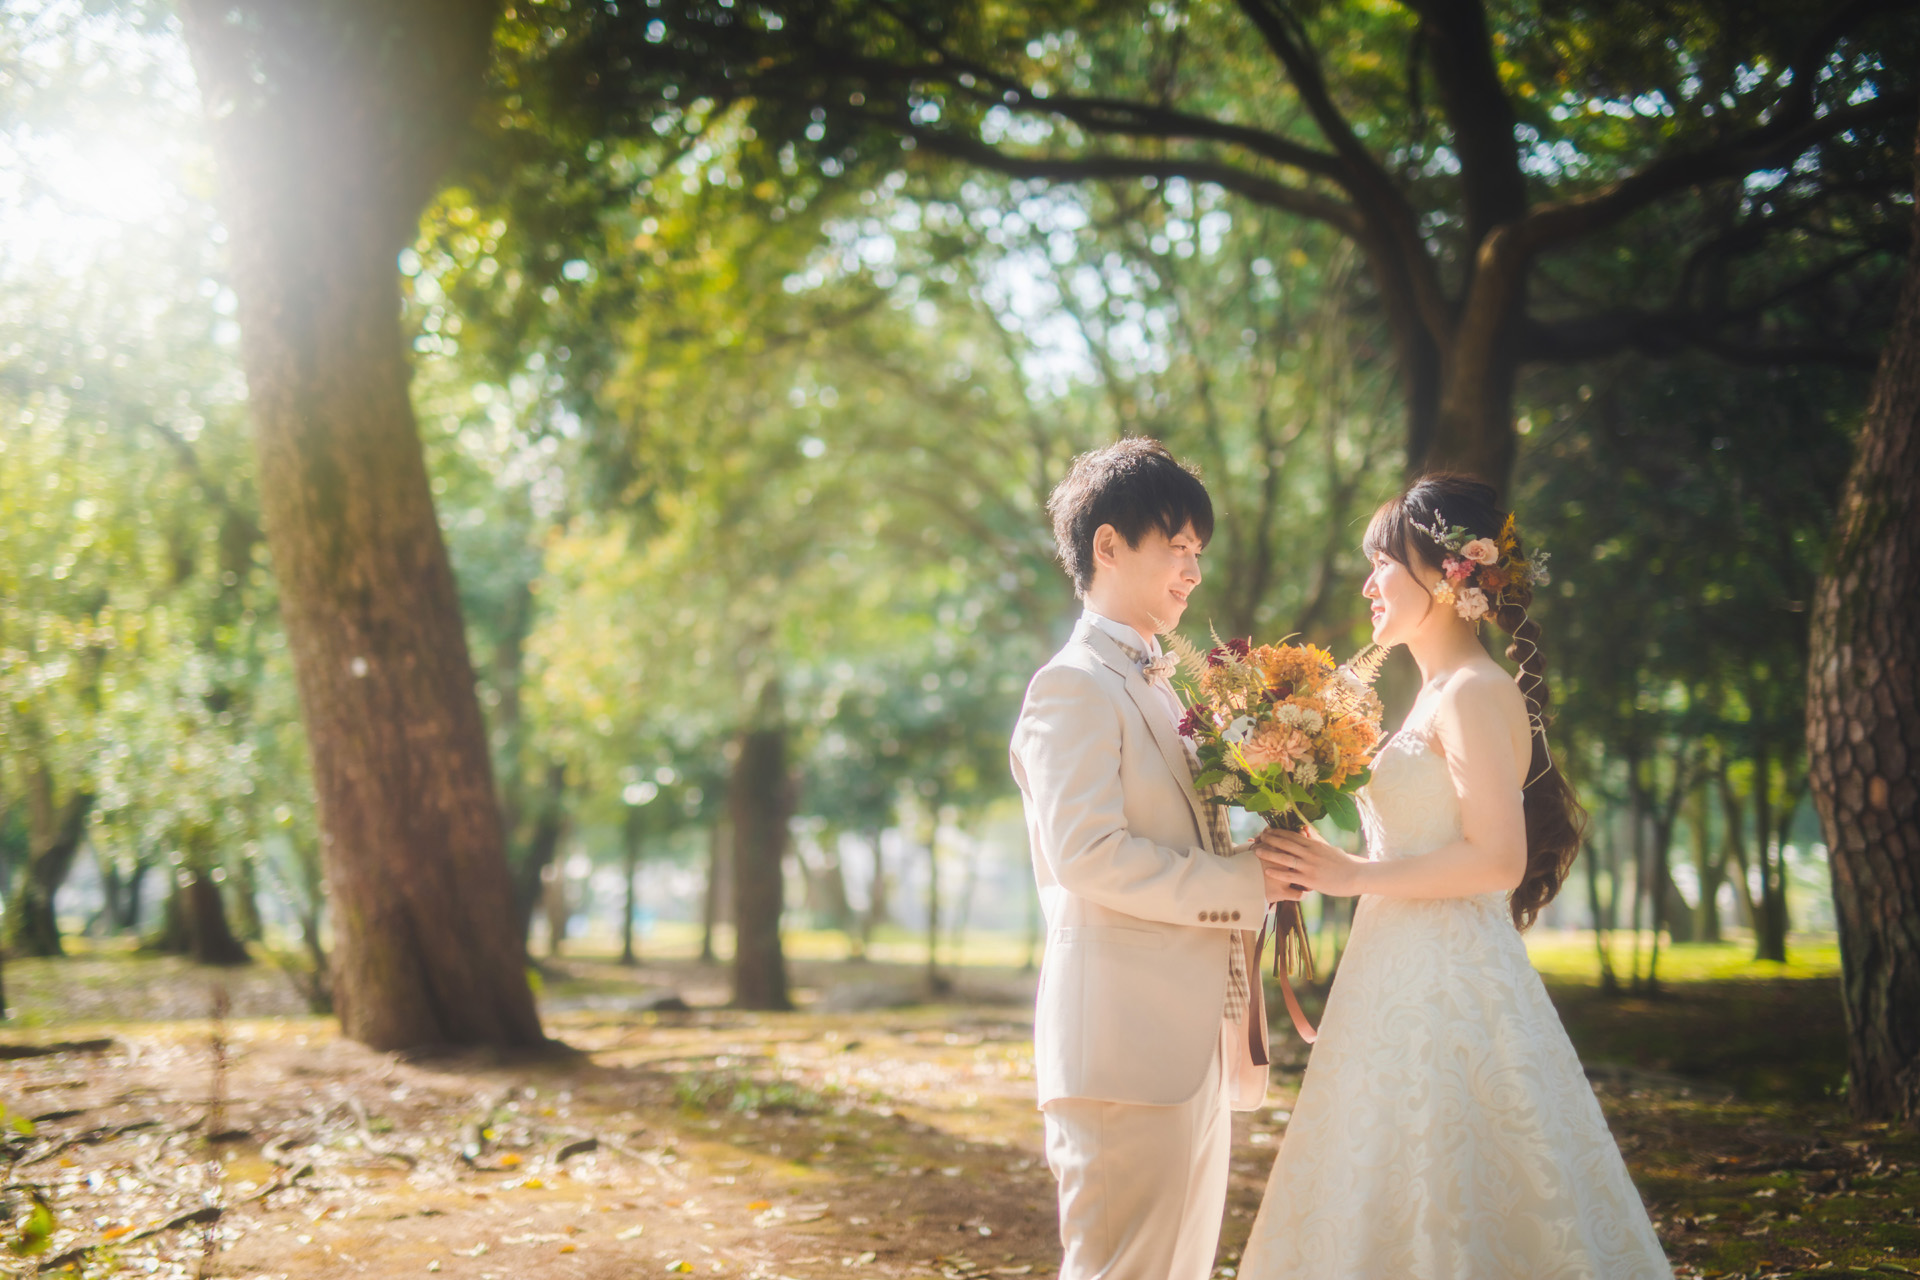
column 1444, row 1129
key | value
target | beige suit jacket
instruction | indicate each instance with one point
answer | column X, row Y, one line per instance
column 1138, row 908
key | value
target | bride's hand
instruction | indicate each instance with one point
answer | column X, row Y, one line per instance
column 1308, row 860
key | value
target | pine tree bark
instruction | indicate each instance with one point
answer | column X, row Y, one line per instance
column 333, row 122
column 760, row 802
column 1863, row 726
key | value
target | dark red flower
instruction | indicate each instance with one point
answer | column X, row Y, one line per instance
column 1240, row 647
column 1216, row 657
column 1191, row 722
column 1282, row 691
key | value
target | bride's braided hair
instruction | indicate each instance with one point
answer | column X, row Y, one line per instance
column 1555, row 820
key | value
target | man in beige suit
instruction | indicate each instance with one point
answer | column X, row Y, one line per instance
column 1149, row 1026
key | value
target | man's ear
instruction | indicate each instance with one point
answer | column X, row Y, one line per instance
column 1106, row 545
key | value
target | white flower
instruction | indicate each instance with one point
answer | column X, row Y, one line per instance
column 1482, row 551
column 1229, row 787
column 1471, row 604
column 1239, row 731
column 1305, row 719
column 1306, row 773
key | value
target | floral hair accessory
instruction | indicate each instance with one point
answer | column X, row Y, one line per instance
column 1481, row 576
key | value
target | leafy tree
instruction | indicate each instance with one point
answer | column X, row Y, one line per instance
column 1545, row 183
column 333, row 124
column 1687, row 505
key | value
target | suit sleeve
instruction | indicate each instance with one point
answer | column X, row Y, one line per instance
column 1066, row 749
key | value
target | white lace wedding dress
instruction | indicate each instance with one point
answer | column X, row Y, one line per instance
column 1444, row 1130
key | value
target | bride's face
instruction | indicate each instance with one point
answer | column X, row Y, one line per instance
column 1402, row 599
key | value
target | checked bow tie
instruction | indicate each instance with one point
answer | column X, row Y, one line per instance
column 1158, row 669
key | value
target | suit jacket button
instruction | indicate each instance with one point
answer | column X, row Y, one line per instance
column 1236, row 915
column 1203, row 917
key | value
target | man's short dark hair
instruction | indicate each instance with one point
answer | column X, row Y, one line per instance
column 1134, row 485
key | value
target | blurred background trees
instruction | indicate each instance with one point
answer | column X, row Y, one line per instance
column 747, row 342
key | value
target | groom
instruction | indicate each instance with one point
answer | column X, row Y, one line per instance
column 1150, row 1026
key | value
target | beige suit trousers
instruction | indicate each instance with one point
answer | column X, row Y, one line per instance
column 1143, row 1188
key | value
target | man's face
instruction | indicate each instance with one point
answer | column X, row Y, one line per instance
column 1150, row 582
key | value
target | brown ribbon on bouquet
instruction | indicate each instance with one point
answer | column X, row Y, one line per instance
column 1292, row 953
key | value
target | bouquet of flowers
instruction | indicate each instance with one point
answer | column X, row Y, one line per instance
column 1280, row 730
column 1284, row 732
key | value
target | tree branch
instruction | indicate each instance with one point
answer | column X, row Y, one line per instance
column 1664, row 333
column 1372, row 188
column 1111, row 116
column 1106, row 167
column 1766, row 147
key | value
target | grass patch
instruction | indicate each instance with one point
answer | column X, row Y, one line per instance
column 707, row 1092
column 1570, row 956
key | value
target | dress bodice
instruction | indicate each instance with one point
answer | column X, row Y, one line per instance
column 1410, row 806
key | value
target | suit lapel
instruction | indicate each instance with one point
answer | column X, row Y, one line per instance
column 1154, row 711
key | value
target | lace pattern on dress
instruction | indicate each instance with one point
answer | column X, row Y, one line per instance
column 1445, row 1129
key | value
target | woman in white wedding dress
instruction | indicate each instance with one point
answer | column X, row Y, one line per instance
column 1444, row 1129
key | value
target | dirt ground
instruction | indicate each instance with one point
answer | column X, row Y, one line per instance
column 844, row 1140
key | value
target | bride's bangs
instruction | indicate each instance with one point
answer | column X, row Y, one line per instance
column 1387, row 532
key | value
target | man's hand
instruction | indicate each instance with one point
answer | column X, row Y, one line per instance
column 1280, row 885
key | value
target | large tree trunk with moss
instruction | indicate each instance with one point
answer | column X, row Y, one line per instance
column 333, row 122
column 56, row 826
column 759, row 803
column 1863, row 726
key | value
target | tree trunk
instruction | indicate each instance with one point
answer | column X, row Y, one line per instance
column 937, row 982
column 1602, row 921
column 554, row 905
column 760, row 803
column 1708, row 869
column 333, row 123
column 630, row 863
column 1863, row 727
column 719, row 884
column 1733, row 841
column 55, row 830
column 135, row 898
column 244, row 887
column 106, row 922
column 1675, row 914
column 1770, row 924
column 550, row 827
column 211, row 938
column 174, row 937
column 876, row 890
column 1472, row 425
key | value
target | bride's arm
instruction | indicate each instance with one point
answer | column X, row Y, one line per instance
column 1475, row 725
